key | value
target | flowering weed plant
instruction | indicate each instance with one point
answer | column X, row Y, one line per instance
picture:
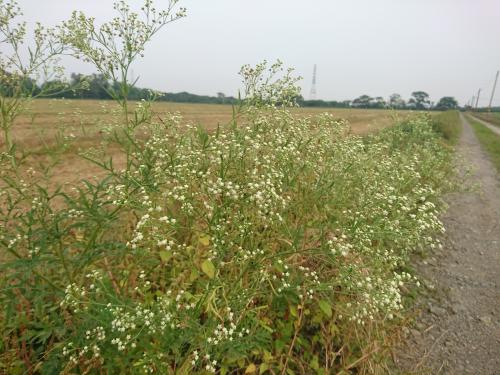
column 275, row 244
column 279, row 244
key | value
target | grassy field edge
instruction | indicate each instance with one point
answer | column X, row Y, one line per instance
column 491, row 117
column 448, row 125
column 489, row 140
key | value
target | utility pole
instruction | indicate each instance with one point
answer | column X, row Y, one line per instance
column 472, row 102
column 477, row 99
column 493, row 91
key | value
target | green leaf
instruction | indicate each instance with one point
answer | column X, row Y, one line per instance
column 208, row 267
column 279, row 345
column 251, row 369
column 165, row 256
column 326, row 308
column 263, row 368
column 194, row 274
column 204, row 240
column 314, row 363
column 265, row 326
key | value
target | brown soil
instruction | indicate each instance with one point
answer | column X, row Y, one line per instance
column 457, row 330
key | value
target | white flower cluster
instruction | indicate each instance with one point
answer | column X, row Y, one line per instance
column 74, row 297
column 115, row 44
column 339, row 245
column 92, row 349
column 280, row 209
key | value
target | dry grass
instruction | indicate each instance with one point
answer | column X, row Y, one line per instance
column 85, row 119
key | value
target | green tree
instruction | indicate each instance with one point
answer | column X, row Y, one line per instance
column 420, row 100
column 447, row 102
column 396, row 101
column 97, row 86
column 362, row 102
column 378, row 102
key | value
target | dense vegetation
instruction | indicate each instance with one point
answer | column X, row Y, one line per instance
column 448, row 125
column 275, row 244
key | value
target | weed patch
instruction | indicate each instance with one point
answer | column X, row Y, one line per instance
column 277, row 244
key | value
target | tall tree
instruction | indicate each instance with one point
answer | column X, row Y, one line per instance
column 362, row 102
column 396, row 101
column 378, row 102
column 97, row 86
column 447, row 102
column 420, row 99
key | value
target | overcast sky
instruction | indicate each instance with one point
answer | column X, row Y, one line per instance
column 374, row 47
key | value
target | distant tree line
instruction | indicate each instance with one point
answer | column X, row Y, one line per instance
column 419, row 100
column 98, row 87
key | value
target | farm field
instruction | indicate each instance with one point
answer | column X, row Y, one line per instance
column 82, row 122
column 43, row 115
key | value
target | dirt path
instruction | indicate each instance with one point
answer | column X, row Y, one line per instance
column 493, row 128
column 458, row 328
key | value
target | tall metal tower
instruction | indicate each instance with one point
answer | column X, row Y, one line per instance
column 312, row 95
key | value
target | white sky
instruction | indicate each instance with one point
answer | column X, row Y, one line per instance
column 373, row 47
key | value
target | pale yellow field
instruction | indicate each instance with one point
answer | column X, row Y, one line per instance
column 85, row 119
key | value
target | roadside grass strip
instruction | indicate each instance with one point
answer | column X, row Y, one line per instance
column 489, row 140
